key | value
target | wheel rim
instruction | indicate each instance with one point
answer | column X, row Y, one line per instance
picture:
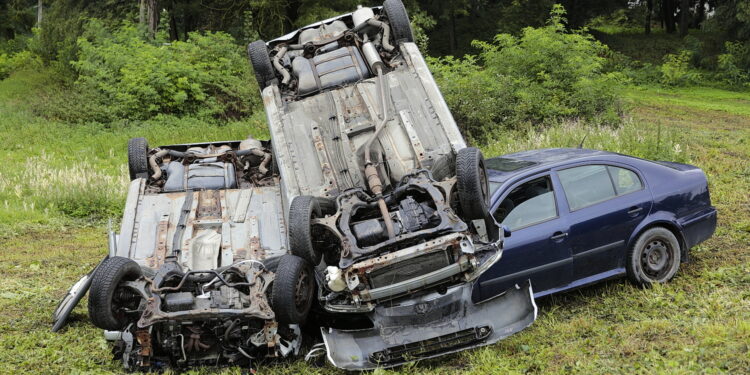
column 302, row 291
column 656, row 259
column 483, row 176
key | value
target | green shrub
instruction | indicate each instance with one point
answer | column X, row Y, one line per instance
column 677, row 70
column 17, row 61
column 734, row 65
column 544, row 75
column 121, row 75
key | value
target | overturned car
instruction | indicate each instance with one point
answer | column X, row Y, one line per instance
column 386, row 201
column 199, row 262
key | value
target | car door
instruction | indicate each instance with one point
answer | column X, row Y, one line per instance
column 606, row 203
column 537, row 248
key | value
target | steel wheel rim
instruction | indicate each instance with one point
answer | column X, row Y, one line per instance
column 302, row 291
column 657, row 259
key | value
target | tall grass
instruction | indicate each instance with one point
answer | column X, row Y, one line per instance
column 78, row 190
column 644, row 140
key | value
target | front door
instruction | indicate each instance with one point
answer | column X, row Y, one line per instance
column 537, row 248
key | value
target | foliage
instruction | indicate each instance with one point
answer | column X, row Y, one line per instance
column 734, row 65
column 677, row 71
column 17, row 61
column 122, row 75
column 546, row 74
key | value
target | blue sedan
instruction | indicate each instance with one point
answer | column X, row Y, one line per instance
column 580, row 216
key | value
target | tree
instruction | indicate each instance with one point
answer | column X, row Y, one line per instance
column 684, row 17
column 668, row 8
column 649, row 11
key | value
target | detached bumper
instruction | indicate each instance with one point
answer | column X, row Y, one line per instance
column 431, row 326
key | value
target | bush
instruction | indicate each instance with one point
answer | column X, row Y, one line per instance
column 544, row 75
column 17, row 61
column 677, row 71
column 121, row 75
column 734, row 65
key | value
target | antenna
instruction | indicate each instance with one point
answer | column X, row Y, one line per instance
column 580, row 145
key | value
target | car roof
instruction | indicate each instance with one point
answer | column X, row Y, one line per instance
column 503, row 167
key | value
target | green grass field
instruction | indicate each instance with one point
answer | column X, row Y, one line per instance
column 52, row 172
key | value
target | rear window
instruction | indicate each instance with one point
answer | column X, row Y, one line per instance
column 507, row 164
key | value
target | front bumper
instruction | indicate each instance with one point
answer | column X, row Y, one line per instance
column 431, row 326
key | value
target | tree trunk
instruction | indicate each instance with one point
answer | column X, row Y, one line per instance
column 668, row 8
column 650, row 10
column 684, row 17
column 452, row 33
column 153, row 17
column 142, row 12
column 39, row 7
column 172, row 22
column 700, row 14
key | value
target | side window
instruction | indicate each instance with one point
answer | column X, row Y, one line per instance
column 586, row 185
column 527, row 204
column 625, row 180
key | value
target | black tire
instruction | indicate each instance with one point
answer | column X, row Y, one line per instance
column 138, row 158
column 261, row 62
column 654, row 258
column 473, row 188
column 302, row 210
column 293, row 290
column 399, row 21
column 103, row 310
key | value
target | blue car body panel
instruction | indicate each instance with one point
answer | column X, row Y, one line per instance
column 588, row 245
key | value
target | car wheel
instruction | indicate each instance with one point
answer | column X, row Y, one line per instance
column 261, row 62
column 654, row 258
column 304, row 208
column 472, row 183
column 399, row 21
column 107, row 298
column 138, row 158
column 292, row 290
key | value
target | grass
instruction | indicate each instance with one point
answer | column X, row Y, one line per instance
column 699, row 323
column 53, row 170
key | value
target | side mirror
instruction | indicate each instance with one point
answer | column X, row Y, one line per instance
column 506, row 231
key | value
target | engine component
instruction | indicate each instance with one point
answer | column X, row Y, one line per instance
column 335, row 279
column 369, row 232
column 280, row 68
column 414, row 216
column 178, row 301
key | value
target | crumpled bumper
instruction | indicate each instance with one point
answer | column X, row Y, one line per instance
column 431, row 326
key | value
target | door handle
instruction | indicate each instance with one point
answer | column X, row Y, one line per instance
column 558, row 236
column 635, row 210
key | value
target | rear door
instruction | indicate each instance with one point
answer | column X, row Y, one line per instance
column 606, row 203
column 537, row 248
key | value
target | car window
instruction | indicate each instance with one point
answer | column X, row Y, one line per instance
column 625, row 180
column 586, row 185
column 529, row 203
